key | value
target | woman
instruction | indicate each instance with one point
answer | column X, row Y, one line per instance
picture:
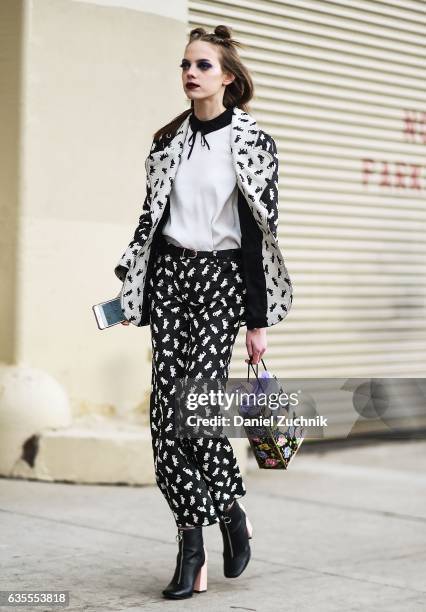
column 203, row 261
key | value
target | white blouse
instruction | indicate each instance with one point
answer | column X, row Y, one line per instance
column 204, row 196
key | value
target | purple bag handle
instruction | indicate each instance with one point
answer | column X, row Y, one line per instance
column 255, row 371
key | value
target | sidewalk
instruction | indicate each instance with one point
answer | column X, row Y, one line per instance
column 341, row 530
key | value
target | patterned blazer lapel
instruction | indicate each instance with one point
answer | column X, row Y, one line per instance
column 161, row 167
column 254, row 165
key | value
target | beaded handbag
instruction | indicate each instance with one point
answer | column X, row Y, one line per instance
column 274, row 446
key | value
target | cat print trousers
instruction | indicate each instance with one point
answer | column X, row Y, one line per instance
column 196, row 304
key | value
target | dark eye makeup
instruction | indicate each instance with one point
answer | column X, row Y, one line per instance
column 201, row 64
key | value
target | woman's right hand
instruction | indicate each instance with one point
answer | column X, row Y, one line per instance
column 125, row 322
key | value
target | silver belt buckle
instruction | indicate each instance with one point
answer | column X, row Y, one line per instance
column 190, row 257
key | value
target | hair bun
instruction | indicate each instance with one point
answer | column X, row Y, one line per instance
column 222, row 31
column 197, row 32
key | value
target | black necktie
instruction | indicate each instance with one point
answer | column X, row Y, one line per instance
column 191, row 139
column 207, row 126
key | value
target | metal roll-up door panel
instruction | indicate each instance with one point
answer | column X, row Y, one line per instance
column 341, row 88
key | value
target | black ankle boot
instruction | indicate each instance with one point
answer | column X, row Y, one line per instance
column 191, row 565
column 236, row 532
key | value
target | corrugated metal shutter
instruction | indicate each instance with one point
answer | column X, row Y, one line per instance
column 341, row 88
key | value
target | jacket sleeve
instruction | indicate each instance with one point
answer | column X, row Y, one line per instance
column 139, row 237
column 270, row 195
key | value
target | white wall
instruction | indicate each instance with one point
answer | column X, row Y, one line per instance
column 98, row 81
column 173, row 9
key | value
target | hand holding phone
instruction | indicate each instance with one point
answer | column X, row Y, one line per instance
column 109, row 313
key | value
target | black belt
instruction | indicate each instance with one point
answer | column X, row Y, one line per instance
column 172, row 249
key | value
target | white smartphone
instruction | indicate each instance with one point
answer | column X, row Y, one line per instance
column 108, row 313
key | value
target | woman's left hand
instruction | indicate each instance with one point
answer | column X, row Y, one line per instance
column 256, row 344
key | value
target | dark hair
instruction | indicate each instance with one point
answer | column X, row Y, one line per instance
column 238, row 93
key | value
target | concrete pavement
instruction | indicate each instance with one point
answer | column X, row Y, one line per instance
column 343, row 529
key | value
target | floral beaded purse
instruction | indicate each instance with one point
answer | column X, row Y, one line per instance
column 274, row 445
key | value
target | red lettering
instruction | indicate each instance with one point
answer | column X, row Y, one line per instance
column 400, row 175
column 397, row 175
column 415, row 176
column 367, row 169
column 385, row 182
column 410, row 121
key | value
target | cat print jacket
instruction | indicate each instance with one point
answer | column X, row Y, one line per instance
column 269, row 289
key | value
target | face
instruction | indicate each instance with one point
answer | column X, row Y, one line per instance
column 201, row 66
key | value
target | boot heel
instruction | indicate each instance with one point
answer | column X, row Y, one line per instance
column 200, row 584
column 249, row 529
column 248, row 524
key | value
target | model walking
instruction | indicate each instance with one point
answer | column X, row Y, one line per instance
column 203, row 261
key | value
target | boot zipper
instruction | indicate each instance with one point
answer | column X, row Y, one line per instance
column 181, row 558
column 229, row 539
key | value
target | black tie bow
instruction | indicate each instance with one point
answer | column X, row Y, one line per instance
column 191, row 139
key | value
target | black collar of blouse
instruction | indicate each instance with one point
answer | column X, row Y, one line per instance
column 207, row 126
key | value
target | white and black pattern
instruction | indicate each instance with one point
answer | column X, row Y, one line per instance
column 195, row 309
column 255, row 160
